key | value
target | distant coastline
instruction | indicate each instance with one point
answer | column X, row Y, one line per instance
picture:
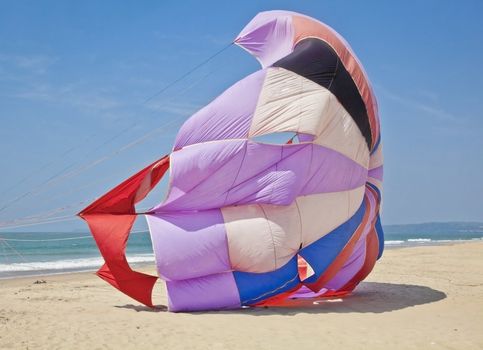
column 46, row 253
column 432, row 233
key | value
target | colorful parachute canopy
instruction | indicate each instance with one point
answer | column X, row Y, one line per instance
column 252, row 223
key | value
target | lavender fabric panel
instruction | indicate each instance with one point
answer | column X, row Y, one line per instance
column 376, row 173
column 301, row 169
column 268, row 36
column 304, row 292
column 211, row 292
column 228, row 117
column 235, row 172
column 263, row 179
column 305, row 137
column 351, row 267
column 189, row 244
column 331, row 171
column 201, row 174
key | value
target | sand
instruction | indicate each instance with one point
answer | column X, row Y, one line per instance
column 416, row 298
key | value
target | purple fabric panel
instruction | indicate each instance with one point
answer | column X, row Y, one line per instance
column 301, row 169
column 268, row 36
column 331, row 171
column 201, row 174
column 189, row 244
column 263, row 180
column 211, row 292
column 305, row 137
column 229, row 116
column 351, row 267
column 234, row 172
column 304, row 292
column 376, row 173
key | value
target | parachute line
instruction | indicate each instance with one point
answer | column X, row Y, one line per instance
column 55, row 239
column 174, row 82
column 40, row 222
column 61, row 175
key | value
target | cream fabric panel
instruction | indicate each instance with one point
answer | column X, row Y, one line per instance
column 250, row 243
column 286, row 231
column 290, row 102
column 263, row 237
column 322, row 213
column 339, row 132
column 377, row 158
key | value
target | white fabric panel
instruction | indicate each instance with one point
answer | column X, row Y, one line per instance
column 250, row 243
column 290, row 102
column 261, row 238
column 322, row 213
column 339, row 132
column 377, row 158
column 286, row 231
column 264, row 237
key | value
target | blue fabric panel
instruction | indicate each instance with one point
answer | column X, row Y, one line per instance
column 256, row 287
column 322, row 252
column 376, row 145
column 378, row 226
column 380, row 236
column 375, row 189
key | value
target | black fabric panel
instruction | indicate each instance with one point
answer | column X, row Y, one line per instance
column 314, row 59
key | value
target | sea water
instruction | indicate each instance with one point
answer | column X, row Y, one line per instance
column 36, row 253
column 432, row 233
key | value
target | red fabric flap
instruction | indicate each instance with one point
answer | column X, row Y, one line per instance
column 110, row 219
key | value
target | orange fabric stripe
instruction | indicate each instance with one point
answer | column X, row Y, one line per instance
column 279, row 299
column 372, row 250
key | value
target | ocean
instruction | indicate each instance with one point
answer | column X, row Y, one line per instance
column 35, row 253
column 40, row 253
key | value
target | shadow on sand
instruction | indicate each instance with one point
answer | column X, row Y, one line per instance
column 369, row 297
column 138, row 308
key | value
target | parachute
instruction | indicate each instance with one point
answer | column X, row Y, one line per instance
column 247, row 222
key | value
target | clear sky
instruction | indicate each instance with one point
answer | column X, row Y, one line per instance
column 74, row 76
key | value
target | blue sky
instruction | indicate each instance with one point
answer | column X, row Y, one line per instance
column 74, row 75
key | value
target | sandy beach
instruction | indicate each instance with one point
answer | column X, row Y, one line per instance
column 427, row 297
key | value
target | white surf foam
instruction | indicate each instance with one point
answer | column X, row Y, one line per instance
column 394, row 242
column 69, row 264
column 419, row 240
